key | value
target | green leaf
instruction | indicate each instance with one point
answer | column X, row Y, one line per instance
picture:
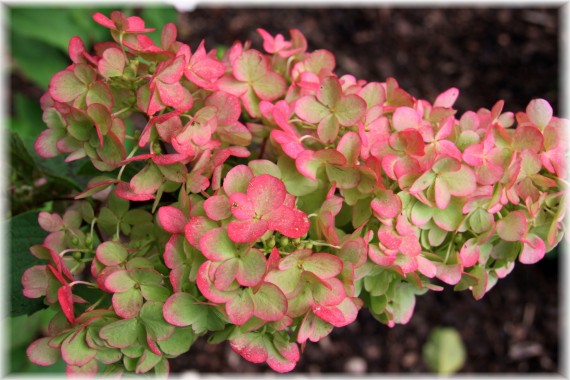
column 403, row 303
column 311, row 110
column 179, row 342
column 481, row 221
column 75, row 350
column 145, row 276
column 259, row 167
column 108, row 355
column 147, row 361
column 24, row 232
column 328, row 129
column 122, row 333
column 128, row 304
column 250, row 66
column 155, row 293
column 378, row 304
column 119, row 281
column 182, row 310
column 449, row 219
column 270, row 303
column 350, row 109
column 444, row 352
column 111, row 253
column 345, row 177
column 151, row 315
column 378, row 285
column 483, row 278
column 513, row 226
column 147, row 181
column 295, row 183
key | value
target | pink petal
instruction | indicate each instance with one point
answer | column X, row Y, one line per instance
column 136, row 25
column 217, row 207
column 405, row 118
column 442, row 195
column 473, row 155
column 229, row 84
column 65, row 298
column 469, row 254
column 208, row 289
column 197, row 226
column 290, row 222
column 426, row 267
column 66, row 87
column 50, row 222
column 410, row 246
column 389, row 238
column 450, row 274
column 46, row 143
column 103, row 20
column 170, row 94
column 246, row 231
column 228, row 106
column 533, row 250
column 40, row 352
column 124, row 191
column 386, row 204
column 267, row 193
column 539, row 112
column 172, row 219
column 406, row 263
column 447, row 98
column 171, row 72
column 251, row 350
column 242, row 207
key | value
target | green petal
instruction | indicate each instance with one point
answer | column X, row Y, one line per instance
column 350, row 110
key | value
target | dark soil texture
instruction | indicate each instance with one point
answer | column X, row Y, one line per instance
column 489, row 54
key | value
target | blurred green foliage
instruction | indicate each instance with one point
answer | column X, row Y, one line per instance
column 444, row 352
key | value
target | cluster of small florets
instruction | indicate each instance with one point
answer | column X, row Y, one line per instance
column 267, row 200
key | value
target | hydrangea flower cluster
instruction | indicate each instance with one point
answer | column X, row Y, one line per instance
column 265, row 200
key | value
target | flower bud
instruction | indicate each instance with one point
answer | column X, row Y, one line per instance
column 271, row 242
